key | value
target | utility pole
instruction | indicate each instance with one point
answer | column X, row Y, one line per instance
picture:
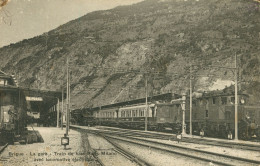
column 58, row 112
column 236, row 101
column 67, row 101
column 146, row 104
column 190, row 100
column 62, row 110
column 183, row 114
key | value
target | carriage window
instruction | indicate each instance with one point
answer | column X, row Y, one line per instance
column 6, row 117
column 232, row 100
column 214, row 100
column 224, row 100
column 3, row 82
column 200, row 101
column 133, row 113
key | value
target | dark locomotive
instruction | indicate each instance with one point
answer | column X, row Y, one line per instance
column 13, row 109
column 212, row 112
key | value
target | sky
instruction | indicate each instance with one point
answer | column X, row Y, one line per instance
column 23, row 19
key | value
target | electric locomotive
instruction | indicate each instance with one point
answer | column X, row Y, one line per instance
column 214, row 113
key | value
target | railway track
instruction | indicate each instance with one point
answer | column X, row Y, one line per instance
column 2, row 148
column 117, row 148
column 164, row 136
column 125, row 153
column 214, row 158
column 202, row 155
column 86, row 146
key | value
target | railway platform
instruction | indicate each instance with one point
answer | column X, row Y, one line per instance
column 50, row 152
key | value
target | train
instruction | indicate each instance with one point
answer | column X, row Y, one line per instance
column 215, row 114
column 13, row 108
column 212, row 112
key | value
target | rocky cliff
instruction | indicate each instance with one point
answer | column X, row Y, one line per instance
column 111, row 53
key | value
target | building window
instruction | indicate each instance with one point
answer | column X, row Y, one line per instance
column 223, row 100
column 207, row 113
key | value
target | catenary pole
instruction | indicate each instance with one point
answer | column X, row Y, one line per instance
column 58, row 112
column 146, row 104
column 67, row 100
column 62, row 108
column 190, row 101
column 183, row 114
column 236, row 101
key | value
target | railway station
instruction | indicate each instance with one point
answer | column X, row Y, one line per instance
column 130, row 83
column 151, row 123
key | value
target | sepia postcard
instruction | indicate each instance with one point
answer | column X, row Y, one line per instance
column 129, row 82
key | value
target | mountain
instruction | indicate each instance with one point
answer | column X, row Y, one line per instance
column 111, row 53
